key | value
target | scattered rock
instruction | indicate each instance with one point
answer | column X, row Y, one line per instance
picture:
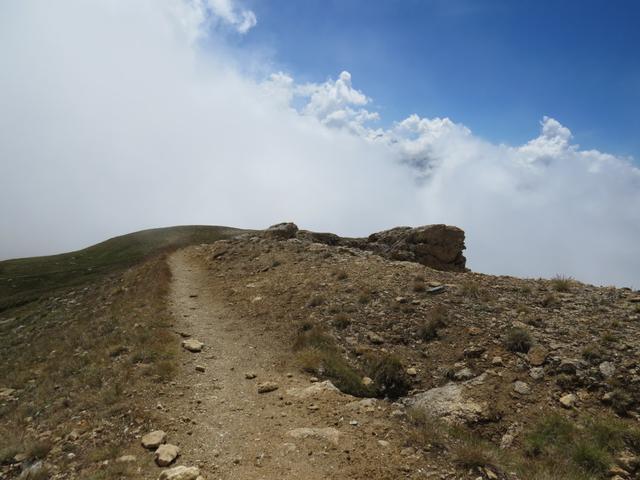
column 166, row 454
column 316, row 390
column 6, row 392
column 180, row 473
column 569, row 400
column 200, row 368
column 537, row 355
column 375, row 338
column 536, row 373
column 464, row 374
column 522, row 388
column 154, row 439
column 266, row 387
column 192, row 345
column 607, row 369
column 327, row 434
column 497, row 362
column 412, row 372
column 250, row 375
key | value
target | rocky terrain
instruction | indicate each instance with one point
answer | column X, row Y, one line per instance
column 293, row 354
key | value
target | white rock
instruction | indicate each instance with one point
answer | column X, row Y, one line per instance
column 180, row 473
column 327, row 434
column 166, row 454
column 568, row 400
column 521, row 387
column 192, row 345
column 316, row 390
column 154, row 439
column 607, row 369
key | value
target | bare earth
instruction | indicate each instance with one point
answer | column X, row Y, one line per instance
column 223, row 425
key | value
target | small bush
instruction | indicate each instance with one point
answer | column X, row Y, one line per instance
column 428, row 331
column 560, row 283
column 550, row 301
column 364, row 297
column 471, row 453
column 592, row 353
column 518, row 340
column 428, row 432
column 388, row 374
column 469, row 288
column 313, row 337
column 591, row 458
column 341, row 321
column 549, row 431
column 621, row 401
column 340, row 274
column 609, row 337
column 316, row 300
column 38, row 449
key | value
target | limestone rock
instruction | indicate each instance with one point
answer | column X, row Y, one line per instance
column 318, row 389
column 522, row 388
column 180, row 473
column 569, row 400
column 327, row 434
column 192, row 345
column 452, row 402
column 154, row 439
column 607, row 369
column 266, row 387
column 166, row 454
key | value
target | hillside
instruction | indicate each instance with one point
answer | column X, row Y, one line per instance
column 288, row 354
column 23, row 280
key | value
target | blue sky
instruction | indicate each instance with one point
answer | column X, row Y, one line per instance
column 497, row 66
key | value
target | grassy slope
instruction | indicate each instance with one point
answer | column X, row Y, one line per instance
column 26, row 279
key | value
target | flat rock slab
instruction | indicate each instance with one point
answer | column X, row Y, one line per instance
column 452, row 402
column 192, row 345
column 327, row 434
column 180, row 473
column 154, row 439
column 166, row 454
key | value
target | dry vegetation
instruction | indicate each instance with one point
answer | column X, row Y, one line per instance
column 80, row 364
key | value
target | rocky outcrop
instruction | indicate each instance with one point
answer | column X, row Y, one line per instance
column 436, row 246
column 281, row 231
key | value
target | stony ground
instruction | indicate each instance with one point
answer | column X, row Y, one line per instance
column 443, row 375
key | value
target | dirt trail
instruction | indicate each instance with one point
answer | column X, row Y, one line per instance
column 223, row 424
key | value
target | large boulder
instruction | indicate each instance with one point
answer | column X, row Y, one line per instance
column 453, row 402
column 436, row 246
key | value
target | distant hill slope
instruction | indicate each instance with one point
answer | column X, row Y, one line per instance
column 23, row 280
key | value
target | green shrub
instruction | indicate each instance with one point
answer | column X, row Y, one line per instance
column 560, row 283
column 388, row 375
column 341, row 321
column 518, row 340
column 591, row 458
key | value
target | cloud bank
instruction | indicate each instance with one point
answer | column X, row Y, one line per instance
column 114, row 117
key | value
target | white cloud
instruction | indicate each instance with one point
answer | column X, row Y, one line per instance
column 241, row 19
column 113, row 120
